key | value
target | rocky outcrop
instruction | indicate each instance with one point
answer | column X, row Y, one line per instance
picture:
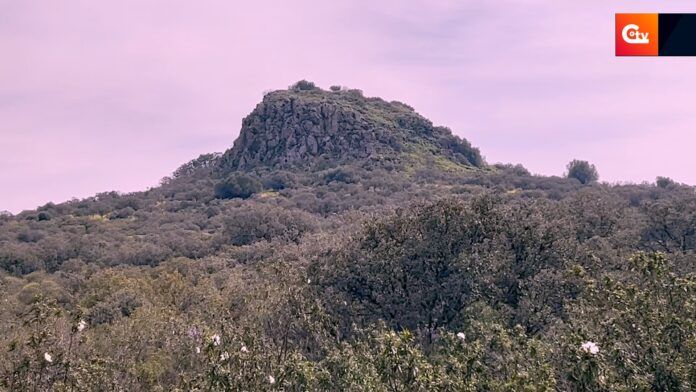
column 304, row 128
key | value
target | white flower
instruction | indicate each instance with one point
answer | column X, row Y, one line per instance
column 590, row 348
column 198, row 350
column 48, row 357
column 309, row 281
column 461, row 336
column 244, row 349
column 81, row 325
column 271, row 380
column 224, row 356
column 216, row 340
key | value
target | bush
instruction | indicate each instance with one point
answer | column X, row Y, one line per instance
column 238, row 185
column 204, row 165
column 123, row 213
column 582, row 171
column 344, row 175
column 249, row 224
column 30, row 236
column 280, row 180
column 303, row 85
column 517, row 170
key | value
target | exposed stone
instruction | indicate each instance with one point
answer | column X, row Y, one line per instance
column 295, row 128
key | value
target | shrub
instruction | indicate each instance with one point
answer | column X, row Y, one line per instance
column 238, row 185
column 517, row 169
column 203, row 164
column 280, row 180
column 123, row 213
column 462, row 148
column 249, row 224
column 303, row 85
column 30, row 236
column 345, row 175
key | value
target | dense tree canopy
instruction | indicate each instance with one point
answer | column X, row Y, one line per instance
column 437, row 281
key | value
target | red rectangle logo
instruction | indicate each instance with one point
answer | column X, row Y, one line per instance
column 637, row 34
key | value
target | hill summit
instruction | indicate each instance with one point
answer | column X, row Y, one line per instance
column 308, row 127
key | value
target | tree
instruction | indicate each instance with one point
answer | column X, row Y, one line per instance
column 670, row 225
column 582, row 171
column 5, row 216
column 412, row 269
column 665, row 182
column 238, row 185
column 303, row 85
column 204, row 164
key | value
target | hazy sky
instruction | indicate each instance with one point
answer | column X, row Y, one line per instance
column 114, row 95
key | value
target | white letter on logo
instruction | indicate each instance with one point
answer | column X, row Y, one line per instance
column 632, row 35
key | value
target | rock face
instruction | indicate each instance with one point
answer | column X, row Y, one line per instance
column 305, row 128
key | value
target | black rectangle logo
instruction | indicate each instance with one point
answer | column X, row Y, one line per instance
column 677, row 34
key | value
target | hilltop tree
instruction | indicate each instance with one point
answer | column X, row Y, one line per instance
column 665, row 182
column 304, row 85
column 582, row 171
column 203, row 164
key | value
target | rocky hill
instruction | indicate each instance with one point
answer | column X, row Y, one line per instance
column 307, row 127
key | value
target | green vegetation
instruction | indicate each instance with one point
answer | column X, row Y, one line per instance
column 303, row 85
column 238, row 186
column 582, row 171
column 339, row 275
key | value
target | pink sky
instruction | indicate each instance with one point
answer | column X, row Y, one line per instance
column 114, row 95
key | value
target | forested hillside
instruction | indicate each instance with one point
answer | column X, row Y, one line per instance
column 347, row 243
